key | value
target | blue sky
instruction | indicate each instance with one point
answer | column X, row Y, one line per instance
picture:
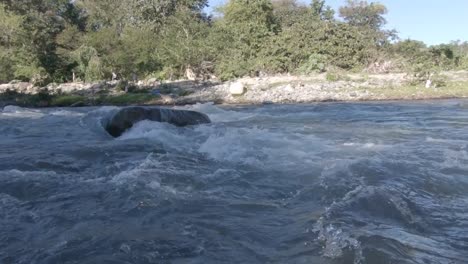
column 432, row 21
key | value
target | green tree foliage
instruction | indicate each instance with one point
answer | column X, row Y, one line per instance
column 183, row 43
column 442, row 57
column 424, row 62
column 288, row 12
column 312, row 36
column 461, row 54
column 43, row 21
column 321, row 10
column 362, row 14
column 10, row 27
column 246, row 25
column 17, row 58
column 57, row 40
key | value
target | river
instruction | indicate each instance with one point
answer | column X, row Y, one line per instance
column 329, row 183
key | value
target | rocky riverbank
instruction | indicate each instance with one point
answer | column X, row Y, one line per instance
column 260, row 90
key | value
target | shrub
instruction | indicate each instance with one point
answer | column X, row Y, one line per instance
column 439, row 80
column 167, row 88
column 315, row 64
column 121, row 85
column 332, row 77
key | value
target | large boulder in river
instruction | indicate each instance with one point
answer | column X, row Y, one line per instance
column 127, row 117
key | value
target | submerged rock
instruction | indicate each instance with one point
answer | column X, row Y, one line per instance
column 127, row 117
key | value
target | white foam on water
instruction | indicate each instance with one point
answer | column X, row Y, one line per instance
column 16, row 111
column 14, row 173
column 455, row 159
column 139, row 171
column 217, row 114
column 65, row 113
column 240, row 144
column 254, row 145
column 13, row 109
column 336, row 242
column 366, row 145
column 104, row 109
column 148, row 173
column 259, row 147
column 443, row 140
column 168, row 135
column 286, row 149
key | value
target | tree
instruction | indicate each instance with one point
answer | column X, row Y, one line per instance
column 311, row 41
column 288, row 12
column 321, row 10
column 43, row 21
column 193, row 49
column 368, row 20
column 17, row 61
column 157, row 11
column 121, row 13
column 245, row 26
column 362, row 14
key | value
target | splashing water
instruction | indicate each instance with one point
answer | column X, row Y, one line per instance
column 323, row 183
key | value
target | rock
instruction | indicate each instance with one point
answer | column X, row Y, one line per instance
column 289, row 88
column 20, row 87
column 152, row 82
column 5, row 87
column 127, row 117
column 237, row 88
column 428, row 83
column 190, row 74
column 25, row 87
column 73, row 87
column 167, row 99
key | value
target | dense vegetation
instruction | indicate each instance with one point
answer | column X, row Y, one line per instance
column 46, row 41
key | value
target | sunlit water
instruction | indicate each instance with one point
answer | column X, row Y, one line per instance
column 321, row 183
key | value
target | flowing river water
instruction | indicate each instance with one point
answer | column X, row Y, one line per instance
column 330, row 183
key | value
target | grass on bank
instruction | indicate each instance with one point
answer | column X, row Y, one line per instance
column 451, row 90
column 66, row 100
column 126, row 99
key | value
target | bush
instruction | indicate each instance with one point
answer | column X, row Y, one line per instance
column 167, row 88
column 315, row 64
column 121, row 85
column 332, row 77
column 125, row 86
column 439, row 80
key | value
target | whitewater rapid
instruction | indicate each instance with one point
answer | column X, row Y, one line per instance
column 319, row 183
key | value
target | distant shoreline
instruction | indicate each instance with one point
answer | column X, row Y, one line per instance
column 278, row 89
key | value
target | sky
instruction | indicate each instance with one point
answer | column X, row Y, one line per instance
column 431, row 21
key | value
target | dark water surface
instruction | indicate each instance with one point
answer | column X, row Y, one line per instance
column 322, row 183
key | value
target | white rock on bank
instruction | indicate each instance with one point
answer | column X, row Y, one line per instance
column 428, row 83
column 237, row 88
column 289, row 88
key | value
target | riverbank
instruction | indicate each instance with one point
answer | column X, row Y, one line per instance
column 260, row 90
